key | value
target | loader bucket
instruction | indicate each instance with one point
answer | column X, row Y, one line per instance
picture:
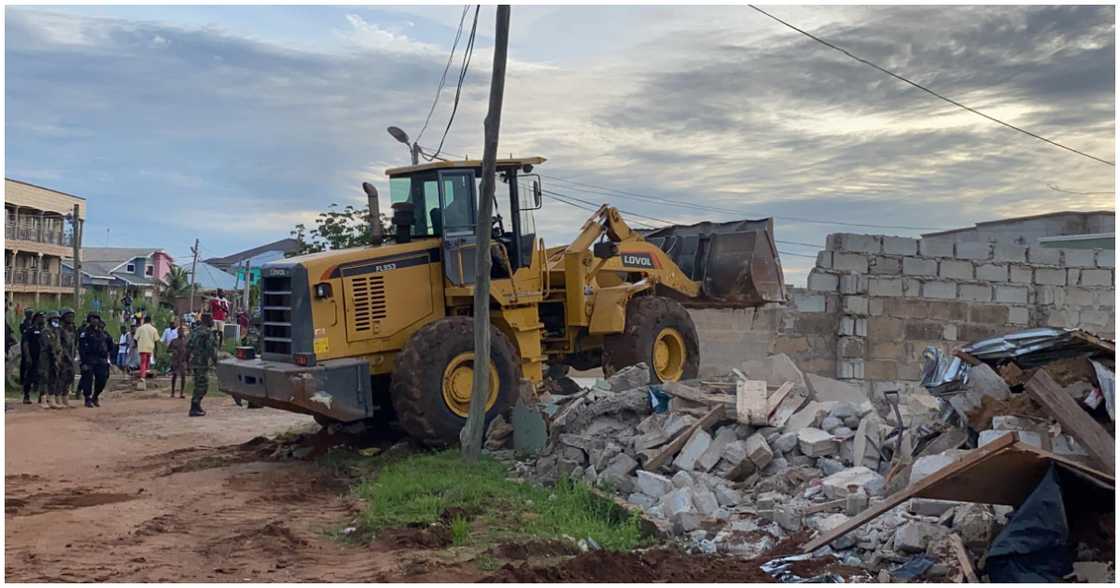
column 735, row 262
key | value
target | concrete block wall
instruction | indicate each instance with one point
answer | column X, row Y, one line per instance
column 874, row 303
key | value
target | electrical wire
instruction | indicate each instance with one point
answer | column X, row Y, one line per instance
column 931, row 92
column 468, row 51
column 1057, row 189
column 443, row 78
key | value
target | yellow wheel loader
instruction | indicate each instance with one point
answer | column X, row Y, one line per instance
column 385, row 332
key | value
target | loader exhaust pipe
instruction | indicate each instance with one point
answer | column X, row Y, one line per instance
column 376, row 231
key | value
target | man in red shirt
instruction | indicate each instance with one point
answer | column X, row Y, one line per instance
column 219, row 308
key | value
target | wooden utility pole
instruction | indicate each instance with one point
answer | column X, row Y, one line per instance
column 77, row 228
column 194, row 266
column 248, row 280
column 476, row 420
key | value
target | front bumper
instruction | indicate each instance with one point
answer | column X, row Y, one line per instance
column 337, row 389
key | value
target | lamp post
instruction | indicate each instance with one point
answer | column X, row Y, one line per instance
column 401, row 136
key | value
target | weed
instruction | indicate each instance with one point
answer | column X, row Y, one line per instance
column 460, row 530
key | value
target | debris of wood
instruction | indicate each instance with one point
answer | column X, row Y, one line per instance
column 1074, row 420
column 957, row 547
column 775, row 399
column 710, row 418
column 751, row 403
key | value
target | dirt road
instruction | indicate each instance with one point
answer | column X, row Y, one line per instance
column 135, row 491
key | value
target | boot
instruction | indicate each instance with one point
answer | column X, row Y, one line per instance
column 48, row 403
column 95, row 402
column 89, row 403
column 26, row 398
column 65, row 400
column 196, row 409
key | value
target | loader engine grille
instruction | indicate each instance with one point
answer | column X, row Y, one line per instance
column 276, row 315
column 369, row 302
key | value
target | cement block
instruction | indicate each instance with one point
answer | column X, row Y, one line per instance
column 1006, row 252
column 884, row 287
column 808, row 302
column 849, row 369
column 696, row 445
column 955, row 269
column 824, row 259
column 900, row 246
column 975, row 292
column 1044, row 256
column 919, row 266
column 927, row 465
column 1106, row 298
column 758, row 451
column 619, row 469
column 808, row 416
column 682, row 479
column 704, row 500
column 653, row 485
column 712, row 454
column 915, row 536
column 1096, row 277
column 1079, row 257
column 1081, row 296
column 1106, row 258
column 929, row 507
column 1098, row 318
column 785, row 442
column 837, row 485
column 816, row 443
column 991, row 272
column 1020, row 274
column 851, row 326
column 823, row 282
column 856, row 305
column 850, row 347
column 1049, row 276
column 935, row 248
column 974, row 250
column 849, row 262
column 727, row 496
column 1064, row 317
column 1018, row 315
column 1014, row 294
column 880, row 265
column 853, row 284
column 641, row 500
column 946, row 290
column 677, row 501
column 854, row 242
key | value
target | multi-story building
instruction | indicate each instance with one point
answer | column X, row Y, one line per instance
column 38, row 235
column 109, row 272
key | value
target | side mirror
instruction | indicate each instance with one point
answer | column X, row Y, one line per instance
column 536, row 193
column 537, row 200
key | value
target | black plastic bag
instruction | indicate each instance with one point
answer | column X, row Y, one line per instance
column 1034, row 547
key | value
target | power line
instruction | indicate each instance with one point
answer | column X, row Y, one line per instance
column 1057, row 189
column 467, row 52
column 443, row 78
column 693, row 205
column 931, row 92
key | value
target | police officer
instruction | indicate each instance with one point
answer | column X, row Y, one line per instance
column 68, row 342
column 49, row 352
column 86, row 379
column 96, row 349
column 203, row 346
column 28, row 349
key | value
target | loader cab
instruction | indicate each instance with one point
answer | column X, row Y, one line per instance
column 444, row 196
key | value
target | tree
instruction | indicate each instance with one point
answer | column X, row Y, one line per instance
column 336, row 229
column 178, row 282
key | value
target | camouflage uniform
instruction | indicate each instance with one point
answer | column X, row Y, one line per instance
column 203, row 349
column 49, row 351
column 68, row 342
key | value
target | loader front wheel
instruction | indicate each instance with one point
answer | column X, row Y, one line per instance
column 431, row 386
column 659, row 333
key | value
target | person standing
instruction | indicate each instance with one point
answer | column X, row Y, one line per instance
column 146, row 338
column 133, row 362
column 96, row 351
column 25, row 355
column 122, row 349
column 169, row 333
column 126, row 306
column 219, row 309
column 49, row 352
column 180, row 359
column 203, row 351
column 84, row 379
column 68, row 344
column 29, row 347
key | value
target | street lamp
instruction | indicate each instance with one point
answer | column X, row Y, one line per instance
column 402, row 137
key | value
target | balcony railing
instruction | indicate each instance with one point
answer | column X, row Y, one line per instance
column 32, row 232
column 32, row 277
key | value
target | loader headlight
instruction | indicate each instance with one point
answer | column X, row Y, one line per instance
column 323, row 290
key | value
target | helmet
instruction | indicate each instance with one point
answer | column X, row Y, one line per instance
column 52, row 314
column 29, row 312
column 66, row 311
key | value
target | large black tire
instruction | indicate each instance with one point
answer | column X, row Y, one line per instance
column 417, row 387
column 646, row 318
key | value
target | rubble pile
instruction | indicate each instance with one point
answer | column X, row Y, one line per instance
column 739, row 463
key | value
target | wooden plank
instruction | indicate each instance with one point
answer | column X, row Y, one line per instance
column 678, row 390
column 712, row 417
column 1074, row 420
column 971, row 460
column 957, row 547
column 793, row 402
column 776, row 398
column 750, row 402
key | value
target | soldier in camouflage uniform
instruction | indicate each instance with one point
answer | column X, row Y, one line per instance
column 49, row 351
column 203, row 347
column 68, row 342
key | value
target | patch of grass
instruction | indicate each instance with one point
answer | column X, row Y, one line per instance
column 416, row 489
column 486, row 563
column 460, row 530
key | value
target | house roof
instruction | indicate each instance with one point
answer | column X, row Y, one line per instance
column 285, row 245
column 45, row 188
column 117, row 254
column 208, row 277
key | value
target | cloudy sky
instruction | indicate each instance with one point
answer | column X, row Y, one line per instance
column 231, row 124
